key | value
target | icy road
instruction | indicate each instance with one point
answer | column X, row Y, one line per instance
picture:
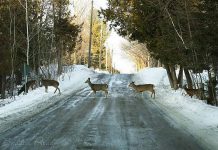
column 123, row 121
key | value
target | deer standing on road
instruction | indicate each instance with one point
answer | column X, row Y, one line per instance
column 143, row 87
column 98, row 87
column 53, row 83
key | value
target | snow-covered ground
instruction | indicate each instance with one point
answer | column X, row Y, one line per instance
column 15, row 111
column 192, row 114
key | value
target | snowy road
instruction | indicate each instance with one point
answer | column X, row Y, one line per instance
column 123, row 121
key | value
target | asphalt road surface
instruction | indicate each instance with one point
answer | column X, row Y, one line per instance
column 123, row 121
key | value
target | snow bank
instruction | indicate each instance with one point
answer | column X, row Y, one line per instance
column 156, row 76
column 191, row 114
column 101, row 71
column 24, row 106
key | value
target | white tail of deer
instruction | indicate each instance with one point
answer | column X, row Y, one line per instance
column 143, row 87
column 98, row 87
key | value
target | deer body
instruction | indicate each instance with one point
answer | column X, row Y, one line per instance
column 53, row 83
column 197, row 92
column 143, row 87
column 98, row 87
column 29, row 84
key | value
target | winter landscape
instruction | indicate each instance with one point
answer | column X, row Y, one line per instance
column 108, row 75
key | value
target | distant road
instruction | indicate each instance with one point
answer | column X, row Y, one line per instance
column 123, row 121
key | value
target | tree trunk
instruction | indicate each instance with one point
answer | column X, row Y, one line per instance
column 169, row 75
column 175, row 81
column 18, row 75
column 101, row 45
column 60, row 58
column 212, row 88
column 154, row 62
column 90, row 38
column 27, row 34
column 3, row 85
column 159, row 63
column 0, row 86
column 180, row 77
column 188, row 78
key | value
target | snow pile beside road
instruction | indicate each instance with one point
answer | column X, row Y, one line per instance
column 24, row 106
column 191, row 114
column 101, row 71
column 156, row 76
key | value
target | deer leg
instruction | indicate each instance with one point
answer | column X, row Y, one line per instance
column 153, row 93
column 59, row 90
column 55, row 89
column 27, row 88
column 106, row 93
column 46, row 89
column 94, row 92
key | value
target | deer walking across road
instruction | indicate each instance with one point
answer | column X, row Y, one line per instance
column 143, row 87
column 98, row 87
column 53, row 83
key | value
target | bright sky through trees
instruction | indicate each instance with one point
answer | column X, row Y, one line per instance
column 120, row 60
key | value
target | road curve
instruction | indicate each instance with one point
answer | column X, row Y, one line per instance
column 123, row 121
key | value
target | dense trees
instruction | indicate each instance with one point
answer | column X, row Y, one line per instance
column 41, row 35
column 98, row 49
column 38, row 32
column 99, row 35
column 176, row 33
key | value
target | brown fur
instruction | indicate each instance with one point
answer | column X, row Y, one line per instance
column 29, row 84
column 197, row 92
column 98, row 87
column 143, row 87
column 53, row 83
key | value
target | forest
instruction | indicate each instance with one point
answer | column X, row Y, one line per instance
column 39, row 37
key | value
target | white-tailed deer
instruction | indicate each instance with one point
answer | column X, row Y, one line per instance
column 98, row 87
column 53, row 83
column 29, row 84
column 197, row 92
column 143, row 87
